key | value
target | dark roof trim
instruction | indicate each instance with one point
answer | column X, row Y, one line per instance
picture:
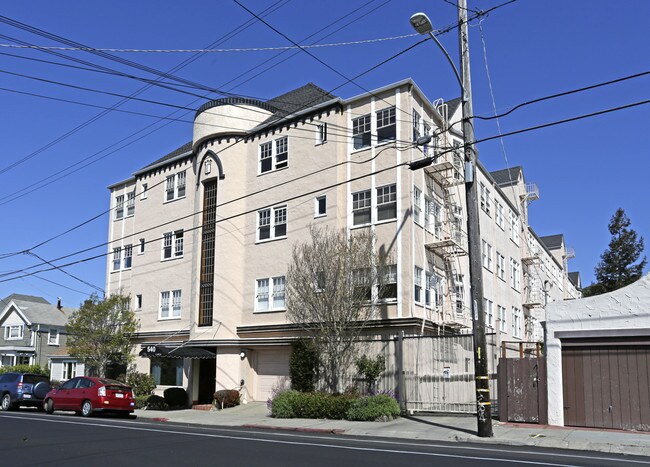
column 496, row 186
column 235, row 100
column 539, row 240
column 161, row 351
column 601, row 333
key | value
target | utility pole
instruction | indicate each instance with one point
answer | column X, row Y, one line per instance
column 483, row 406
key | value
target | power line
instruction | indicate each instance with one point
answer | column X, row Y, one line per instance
column 66, row 272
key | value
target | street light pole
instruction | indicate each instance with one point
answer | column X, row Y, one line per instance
column 423, row 25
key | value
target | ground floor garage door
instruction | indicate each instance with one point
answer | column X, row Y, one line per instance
column 271, row 367
column 606, row 386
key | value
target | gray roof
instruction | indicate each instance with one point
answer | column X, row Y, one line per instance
column 553, row 242
column 507, row 177
column 574, row 277
column 176, row 152
column 38, row 310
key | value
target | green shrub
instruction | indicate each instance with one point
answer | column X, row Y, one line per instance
column 226, row 398
column 155, row 402
column 35, row 369
column 370, row 369
column 141, row 402
column 294, row 404
column 142, row 384
column 303, row 366
column 373, row 408
column 176, row 398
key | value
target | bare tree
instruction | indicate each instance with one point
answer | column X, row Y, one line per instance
column 330, row 293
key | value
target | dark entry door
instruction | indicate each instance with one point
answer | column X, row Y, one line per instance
column 207, row 376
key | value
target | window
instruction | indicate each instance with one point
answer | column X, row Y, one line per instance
column 387, row 202
column 388, row 285
column 436, row 286
column 128, row 256
column 144, row 192
column 417, row 281
column 515, row 280
column 321, row 133
column 14, row 331
column 361, row 137
column 416, row 125
column 172, row 245
column 69, row 370
column 269, row 294
column 361, row 203
column 167, row 371
column 485, row 199
column 272, row 223
column 486, row 253
column 274, row 155
column 514, row 227
column 386, row 128
column 175, row 187
column 489, row 313
column 502, row 318
column 428, row 286
column 516, row 322
column 501, row 266
column 130, row 203
column 362, row 285
column 170, row 304
column 117, row 258
column 141, row 250
column 119, row 207
column 433, row 216
column 498, row 208
column 138, row 302
column 417, row 205
column 53, row 337
column 321, row 206
column 459, row 292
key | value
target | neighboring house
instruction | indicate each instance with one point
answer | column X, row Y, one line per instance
column 598, row 359
column 64, row 367
column 33, row 331
column 202, row 237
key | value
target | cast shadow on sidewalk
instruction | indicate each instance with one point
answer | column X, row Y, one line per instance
column 440, row 425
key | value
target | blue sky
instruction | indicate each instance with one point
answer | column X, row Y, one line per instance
column 585, row 170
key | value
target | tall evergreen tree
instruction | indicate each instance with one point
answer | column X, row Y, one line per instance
column 616, row 268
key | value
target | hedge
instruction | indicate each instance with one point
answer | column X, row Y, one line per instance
column 294, row 404
column 371, row 408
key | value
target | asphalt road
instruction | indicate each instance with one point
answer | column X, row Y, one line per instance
column 29, row 438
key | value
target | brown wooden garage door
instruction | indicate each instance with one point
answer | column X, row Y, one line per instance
column 606, row 386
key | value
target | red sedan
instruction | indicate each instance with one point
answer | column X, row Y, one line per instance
column 86, row 395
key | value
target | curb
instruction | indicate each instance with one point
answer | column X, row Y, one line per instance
column 331, row 431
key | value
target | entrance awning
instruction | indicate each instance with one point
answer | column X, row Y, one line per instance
column 161, row 351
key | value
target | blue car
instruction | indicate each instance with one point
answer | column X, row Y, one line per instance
column 23, row 389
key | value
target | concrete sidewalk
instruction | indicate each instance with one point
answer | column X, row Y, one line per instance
column 419, row 427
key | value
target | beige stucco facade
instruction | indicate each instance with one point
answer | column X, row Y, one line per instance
column 356, row 160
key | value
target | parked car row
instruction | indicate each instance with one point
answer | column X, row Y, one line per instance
column 84, row 395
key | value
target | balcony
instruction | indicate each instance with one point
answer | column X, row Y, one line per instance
column 531, row 258
column 448, row 169
column 531, row 193
column 446, row 241
column 453, row 315
column 533, row 297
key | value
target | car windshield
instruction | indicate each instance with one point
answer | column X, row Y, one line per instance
column 33, row 379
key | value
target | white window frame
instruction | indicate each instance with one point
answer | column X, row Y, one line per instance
column 488, row 310
column 119, row 207
column 317, row 206
column 53, row 333
column 386, row 196
column 144, row 191
column 417, row 122
column 503, row 322
column 515, row 273
column 117, row 258
column 486, row 255
column 270, row 290
column 501, row 266
column 174, row 243
column 498, row 215
column 175, row 186
column 417, row 205
column 130, row 203
column 170, row 305
column 385, row 120
column 275, row 152
column 141, row 246
column 417, row 285
column 20, row 332
column 514, row 227
column 138, row 302
column 516, row 322
column 362, row 204
column 361, row 132
column 128, row 257
column 485, row 199
column 321, row 133
column 68, row 370
column 390, row 277
column 275, row 216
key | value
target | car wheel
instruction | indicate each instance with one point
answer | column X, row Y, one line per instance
column 86, row 408
column 41, row 389
column 49, row 406
column 6, row 403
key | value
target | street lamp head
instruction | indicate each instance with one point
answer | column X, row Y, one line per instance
column 421, row 23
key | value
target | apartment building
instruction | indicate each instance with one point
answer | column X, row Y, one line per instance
column 201, row 238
